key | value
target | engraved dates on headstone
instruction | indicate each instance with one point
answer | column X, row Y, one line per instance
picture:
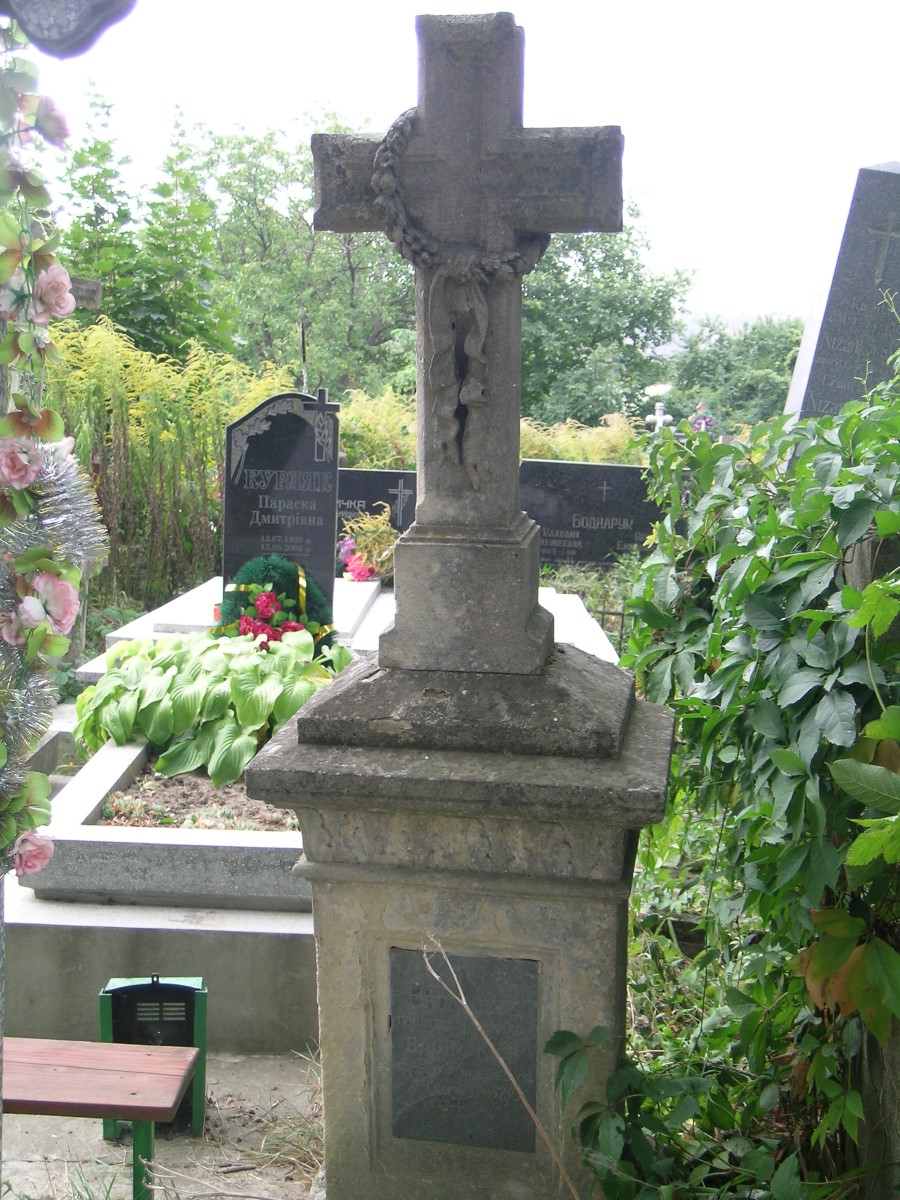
column 281, row 479
column 446, row 1086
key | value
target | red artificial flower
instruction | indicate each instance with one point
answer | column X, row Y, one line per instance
column 267, row 605
column 291, row 626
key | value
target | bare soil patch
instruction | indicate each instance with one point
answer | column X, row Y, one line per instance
column 191, row 802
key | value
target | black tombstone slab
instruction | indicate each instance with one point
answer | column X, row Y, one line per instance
column 588, row 512
column 857, row 333
column 446, row 1086
column 281, row 479
column 364, row 491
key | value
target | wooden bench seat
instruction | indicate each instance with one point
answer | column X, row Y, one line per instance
column 140, row 1084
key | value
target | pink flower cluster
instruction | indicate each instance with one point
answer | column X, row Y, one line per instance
column 52, row 599
column 20, row 463
column 358, row 569
column 31, row 853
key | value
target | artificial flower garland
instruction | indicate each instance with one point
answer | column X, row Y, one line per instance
column 50, row 529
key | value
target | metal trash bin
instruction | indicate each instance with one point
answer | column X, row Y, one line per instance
column 160, row 1011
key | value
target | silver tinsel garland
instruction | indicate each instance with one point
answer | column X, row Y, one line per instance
column 65, row 519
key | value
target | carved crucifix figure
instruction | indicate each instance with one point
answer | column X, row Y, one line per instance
column 470, row 197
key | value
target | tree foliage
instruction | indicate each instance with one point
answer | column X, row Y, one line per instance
column 224, row 252
column 595, row 320
column 153, row 256
column 743, row 377
column 327, row 306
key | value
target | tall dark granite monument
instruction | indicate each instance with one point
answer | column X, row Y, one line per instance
column 281, row 480
column 847, row 350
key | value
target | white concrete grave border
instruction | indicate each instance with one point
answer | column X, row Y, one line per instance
column 216, row 869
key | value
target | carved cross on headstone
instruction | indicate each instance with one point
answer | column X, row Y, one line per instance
column 885, row 235
column 470, row 197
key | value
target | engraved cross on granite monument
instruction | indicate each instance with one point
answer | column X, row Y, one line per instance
column 470, row 197
column 472, row 783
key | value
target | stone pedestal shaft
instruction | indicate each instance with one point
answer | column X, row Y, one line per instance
column 518, row 865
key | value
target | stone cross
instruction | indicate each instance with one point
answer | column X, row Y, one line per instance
column 659, row 418
column 65, row 27
column 470, row 197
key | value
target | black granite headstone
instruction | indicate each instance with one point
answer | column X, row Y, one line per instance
column 281, row 480
column 588, row 512
column 446, row 1086
column 857, row 333
column 365, row 491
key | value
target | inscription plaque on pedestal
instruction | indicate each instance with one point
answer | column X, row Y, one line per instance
column 281, row 471
column 446, row 1086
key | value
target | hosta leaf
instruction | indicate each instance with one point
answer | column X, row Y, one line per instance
column 232, row 751
column 217, row 701
column 156, row 721
column 117, row 724
column 254, row 701
column 293, row 696
column 134, row 669
column 187, row 696
column 186, row 755
column 155, row 686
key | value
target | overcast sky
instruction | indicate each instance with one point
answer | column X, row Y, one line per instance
column 745, row 124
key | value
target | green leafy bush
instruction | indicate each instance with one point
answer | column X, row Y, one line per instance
column 203, row 701
column 743, row 1071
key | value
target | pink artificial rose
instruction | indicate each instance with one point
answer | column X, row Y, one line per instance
column 20, row 463
column 60, row 600
column 11, row 629
column 267, row 605
column 50, row 123
column 31, row 612
column 245, row 625
column 291, row 626
column 31, row 853
column 51, row 296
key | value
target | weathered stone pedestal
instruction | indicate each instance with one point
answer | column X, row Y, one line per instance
column 517, row 863
column 471, row 789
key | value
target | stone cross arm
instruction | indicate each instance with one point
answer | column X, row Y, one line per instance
column 542, row 180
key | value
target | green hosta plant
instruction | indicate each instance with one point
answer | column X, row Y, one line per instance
column 203, row 701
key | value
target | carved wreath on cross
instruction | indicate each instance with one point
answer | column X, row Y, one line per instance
column 457, row 315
